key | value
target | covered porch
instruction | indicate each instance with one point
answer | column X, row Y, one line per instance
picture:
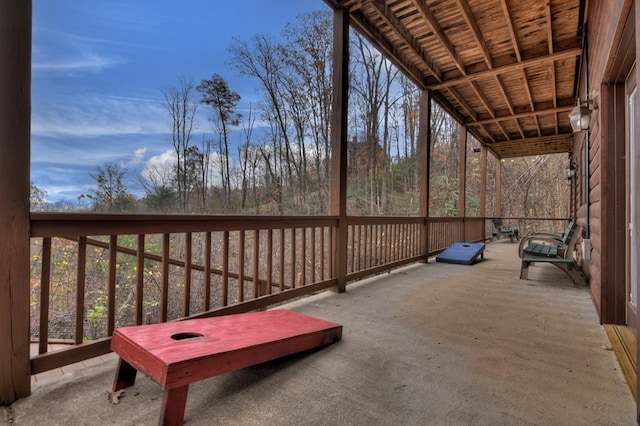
column 425, row 344
column 436, row 343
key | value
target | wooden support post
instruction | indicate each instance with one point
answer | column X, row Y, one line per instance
column 462, row 177
column 483, row 183
column 498, row 212
column 424, row 163
column 636, row 154
column 339, row 141
column 15, row 140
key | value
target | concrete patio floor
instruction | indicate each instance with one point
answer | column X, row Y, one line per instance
column 424, row 345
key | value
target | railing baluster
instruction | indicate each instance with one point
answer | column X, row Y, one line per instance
column 303, row 254
column 292, row 259
column 207, row 271
column 164, row 302
column 80, row 281
column 188, row 259
column 45, row 282
column 313, row 262
column 241, row 249
column 282, row 244
column 139, row 279
column 225, row 268
column 256, row 264
column 322, row 253
column 269, row 261
column 111, row 295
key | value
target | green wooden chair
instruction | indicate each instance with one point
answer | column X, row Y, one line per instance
column 500, row 230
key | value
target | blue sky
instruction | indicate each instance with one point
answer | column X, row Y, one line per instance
column 99, row 68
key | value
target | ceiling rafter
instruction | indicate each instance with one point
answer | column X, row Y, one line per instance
column 485, row 102
column 515, row 66
column 518, row 52
column 555, row 110
column 472, row 24
column 503, row 90
column 426, row 14
column 552, row 66
column 465, row 105
column 396, row 26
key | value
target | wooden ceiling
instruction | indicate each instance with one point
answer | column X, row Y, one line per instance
column 505, row 68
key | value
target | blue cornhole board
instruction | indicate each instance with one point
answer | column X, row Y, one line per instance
column 461, row 253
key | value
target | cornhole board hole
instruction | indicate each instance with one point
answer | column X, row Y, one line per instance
column 176, row 354
column 462, row 253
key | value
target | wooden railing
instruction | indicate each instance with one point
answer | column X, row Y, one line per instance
column 94, row 273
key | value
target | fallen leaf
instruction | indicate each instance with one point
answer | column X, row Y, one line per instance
column 607, row 347
column 114, row 397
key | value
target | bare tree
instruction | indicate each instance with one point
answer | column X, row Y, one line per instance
column 182, row 107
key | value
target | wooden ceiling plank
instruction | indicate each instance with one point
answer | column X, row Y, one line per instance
column 394, row 23
column 552, row 66
column 469, row 18
column 427, row 15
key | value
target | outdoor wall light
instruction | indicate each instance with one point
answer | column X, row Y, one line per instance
column 570, row 170
column 580, row 116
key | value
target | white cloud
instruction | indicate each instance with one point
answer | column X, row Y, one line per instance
column 85, row 60
column 97, row 115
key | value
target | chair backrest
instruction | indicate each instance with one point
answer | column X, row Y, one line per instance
column 573, row 232
column 569, row 232
column 497, row 223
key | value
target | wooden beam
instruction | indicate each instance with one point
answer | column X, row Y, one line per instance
column 339, row 141
column 15, row 141
column 521, row 115
column 512, row 33
column 514, row 66
column 469, row 18
column 427, row 15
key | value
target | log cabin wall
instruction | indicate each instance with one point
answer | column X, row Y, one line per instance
column 610, row 30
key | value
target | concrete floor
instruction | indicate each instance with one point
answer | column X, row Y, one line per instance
column 434, row 344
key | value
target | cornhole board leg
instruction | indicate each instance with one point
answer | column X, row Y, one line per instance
column 176, row 354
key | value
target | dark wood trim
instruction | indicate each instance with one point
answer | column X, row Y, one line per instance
column 483, row 183
column 339, row 140
column 498, row 211
column 613, row 245
column 424, row 155
column 462, row 170
column 15, row 127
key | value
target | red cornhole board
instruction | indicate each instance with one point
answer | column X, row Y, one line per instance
column 176, row 354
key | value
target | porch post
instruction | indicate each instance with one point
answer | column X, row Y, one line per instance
column 483, row 182
column 424, row 165
column 637, row 157
column 462, row 177
column 339, row 141
column 15, row 116
column 498, row 212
